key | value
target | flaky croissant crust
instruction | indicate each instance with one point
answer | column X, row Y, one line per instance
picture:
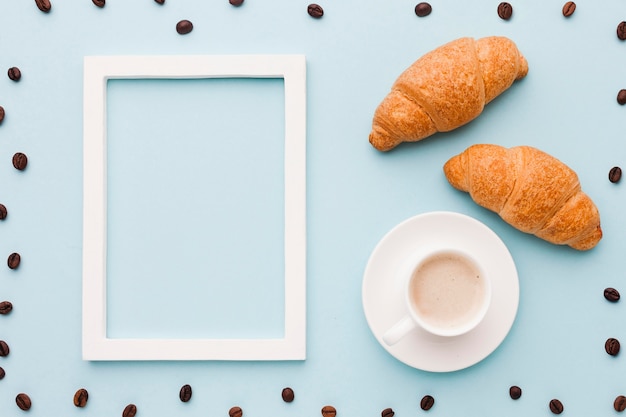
column 531, row 190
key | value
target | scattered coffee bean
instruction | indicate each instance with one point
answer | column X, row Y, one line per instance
column 515, row 392
column 14, row 73
column 235, row 412
column 620, row 403
column 13, row 261
column 160, row 1
column 427, row 402
column 423, row 9
column 2, row 373
column 3, row 212
column 329, row 411
column 556, row 406
column 80, row 398
column 129, row 411
column 611, row 294
column 615, row 174
column 23, row 401
column 184, row 27
column 1, row 114
column 315, row 10
column 569, row 8
column 505, row 10
column 236, row 3
column 387, row 412
column 44, row 5
column 20, row 161
column 612, row 346
column 621, row 31
column 621, row 97
column 185, row 393
column 288, row 395
column 4, row 348
column 99, row 3
column 5, row 307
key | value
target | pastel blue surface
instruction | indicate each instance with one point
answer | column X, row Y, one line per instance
column 565, row 106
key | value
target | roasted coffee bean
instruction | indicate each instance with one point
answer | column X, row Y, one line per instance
column 569, row 8
column 3, row 212
column 5, row 307
column 2, row 373
column 612, row 346
column 129, row 411
column 14, row 260
column 621, row 96
column 184, row 27
column 20, row 161
column 615, row 174
column 235, row 412
column 387, row 412
column 505, row 10
column 99, row 3
column 4, row 348
column 515, row 392
column 556, row 406
column 44, row 5
column 160, row 1
column 236, row 3
column 23, row 401
column 611, row 294
column 427, row 402
column 329, row 411
column 620, row 403
column 423, row 9
column 288, row 395
column 621, row 31
column 315, row 10
column 185, row 393
column 80, row 398
column 1, row 114
column 14, row 73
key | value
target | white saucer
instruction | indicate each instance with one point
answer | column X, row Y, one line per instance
column 383, row 300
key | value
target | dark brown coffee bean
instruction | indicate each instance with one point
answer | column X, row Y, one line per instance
column 315, row 10
column 99, row 3
column 4, row 348
column 23, row 401
column 423, row 9
column 387, row 412
column 3, row 212
column 612, row 346
column 329, row 411
column 621, row 97
column 185, row 393
column 2, row 373
column 515, row 392
column 621, row 31
column 611, row 294
column 236, row 3
column 129, row 411
column 80, row 398
column 615, row 174
column 44, row 5
column 184, row 27
column 14, row 73
column 569, row 8
column 288, row 395
column 1, row 114
column 556, row 406
column 505, row 10
column 160, row 1
column 235, row 412
column 14, row 260
column 620, row 403
column 5, row 307
column 427, row 402
column 20, row 161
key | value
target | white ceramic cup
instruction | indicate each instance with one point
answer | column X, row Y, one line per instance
column 446, row 293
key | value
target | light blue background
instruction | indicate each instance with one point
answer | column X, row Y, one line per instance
column 566, row 106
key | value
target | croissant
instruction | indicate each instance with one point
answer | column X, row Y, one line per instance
column 446, row 88
column 531, row 190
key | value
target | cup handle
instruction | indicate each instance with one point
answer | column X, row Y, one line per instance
column 399, row 330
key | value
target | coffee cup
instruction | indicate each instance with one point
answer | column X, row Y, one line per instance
column 446, row 292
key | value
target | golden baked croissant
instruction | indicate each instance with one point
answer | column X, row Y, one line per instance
column 446, row 88
column 531, row 190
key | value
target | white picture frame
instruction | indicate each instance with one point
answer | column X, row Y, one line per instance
column 96, row 346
